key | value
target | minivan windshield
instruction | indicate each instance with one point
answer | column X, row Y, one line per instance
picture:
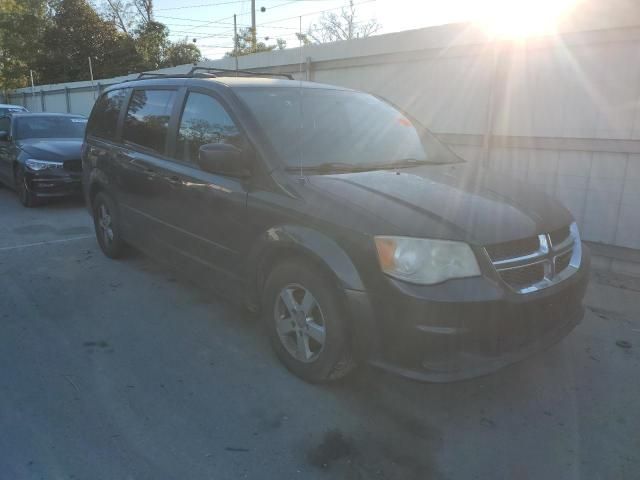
column 317, row 128
column 50, row 126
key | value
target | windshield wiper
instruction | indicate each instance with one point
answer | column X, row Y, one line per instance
column 330, row 167
column 405, row 163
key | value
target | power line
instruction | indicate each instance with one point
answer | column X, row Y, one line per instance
column 199, row 6
column 247, row 13
column 229, row 2
column 316, row 12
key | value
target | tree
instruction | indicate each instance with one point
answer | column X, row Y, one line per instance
column 121, row 14
column 334, row 27
column 22, row 23
column 152, row 43
column 245, row 46
column 151, row 38
column 128, row 15
column 75, row 33
column 182, row 52
column 55, row 39
column 145, row 10
column 304, row 38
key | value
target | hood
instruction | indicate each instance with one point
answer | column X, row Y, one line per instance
column 57, row 149
column 453, row 201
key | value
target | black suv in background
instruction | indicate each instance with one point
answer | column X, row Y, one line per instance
column 347, row 224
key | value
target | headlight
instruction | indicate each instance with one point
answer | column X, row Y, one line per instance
column 42, row 164
column 425, row 261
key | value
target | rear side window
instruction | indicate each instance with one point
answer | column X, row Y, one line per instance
column 203, row 121
column 147, row 119
column 5, row 124
column 104, row 119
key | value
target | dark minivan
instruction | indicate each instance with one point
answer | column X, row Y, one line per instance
column 358, row 235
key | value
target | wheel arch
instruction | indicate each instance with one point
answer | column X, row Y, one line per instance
column 97, row 182
column 286, row 241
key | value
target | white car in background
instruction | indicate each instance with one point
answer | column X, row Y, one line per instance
column 8, row 108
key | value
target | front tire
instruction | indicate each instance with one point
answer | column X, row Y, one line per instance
column 107, row 226
column 305, row 322
column 27, row 198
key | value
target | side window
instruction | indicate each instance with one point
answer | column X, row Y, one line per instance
column 203, row 121
column 5, row 124
column 104, row 117
column 147, row 119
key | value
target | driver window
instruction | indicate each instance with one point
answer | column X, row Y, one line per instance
column 203, row 121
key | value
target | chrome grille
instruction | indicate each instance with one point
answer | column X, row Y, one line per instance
column 517, row 248
column 563, row 261
column 558, row 236
column 523, row 276
column 535, row 263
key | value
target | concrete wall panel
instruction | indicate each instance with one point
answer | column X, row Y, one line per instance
column 565, row 109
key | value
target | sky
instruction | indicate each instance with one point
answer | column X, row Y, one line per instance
column 211, row 21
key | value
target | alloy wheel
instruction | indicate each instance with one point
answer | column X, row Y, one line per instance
column 104, row 221
column 299, row 323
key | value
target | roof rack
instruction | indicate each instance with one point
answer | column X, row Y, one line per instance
column 222, row 72
column 212, row 73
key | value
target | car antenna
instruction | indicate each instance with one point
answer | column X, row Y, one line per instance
column 301, row 178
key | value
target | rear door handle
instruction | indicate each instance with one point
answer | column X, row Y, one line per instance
column 125, row 156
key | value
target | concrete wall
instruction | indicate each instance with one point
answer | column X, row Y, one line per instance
column 561, row 112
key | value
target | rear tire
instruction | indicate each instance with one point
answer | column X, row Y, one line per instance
column 27, row 198
column 305, row 322
column 107, row 226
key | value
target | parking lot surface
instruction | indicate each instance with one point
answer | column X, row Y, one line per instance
column 128, row 370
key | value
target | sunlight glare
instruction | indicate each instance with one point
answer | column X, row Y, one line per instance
column 522, row 18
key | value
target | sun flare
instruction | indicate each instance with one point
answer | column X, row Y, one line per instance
column 522, row 18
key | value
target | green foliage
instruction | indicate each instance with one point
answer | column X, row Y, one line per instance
column 22, row 23
column 77, row 32
column 55, row 39
column 152, row 42
column 245, row 47
column 182, row 52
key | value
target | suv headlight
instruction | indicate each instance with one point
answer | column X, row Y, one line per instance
column 36, row 165
column 425, row 261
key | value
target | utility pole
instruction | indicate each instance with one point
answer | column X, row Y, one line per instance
column 93, row 91
column 33, row 89
column 235, row 42
column 253, row 26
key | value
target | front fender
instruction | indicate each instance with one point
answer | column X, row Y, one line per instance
column 289, row 239
column 308, row 242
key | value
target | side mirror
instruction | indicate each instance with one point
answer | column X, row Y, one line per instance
column 4, row 136
column 223, row 159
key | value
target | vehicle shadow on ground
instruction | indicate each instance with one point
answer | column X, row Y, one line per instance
column 63, row 203
column 400, row 423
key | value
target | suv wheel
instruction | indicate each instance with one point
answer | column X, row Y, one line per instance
column 106, row 222
column 27, row 198
column 305, row 322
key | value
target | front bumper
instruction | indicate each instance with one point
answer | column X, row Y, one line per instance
column 46, row 184
column 466, row 328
